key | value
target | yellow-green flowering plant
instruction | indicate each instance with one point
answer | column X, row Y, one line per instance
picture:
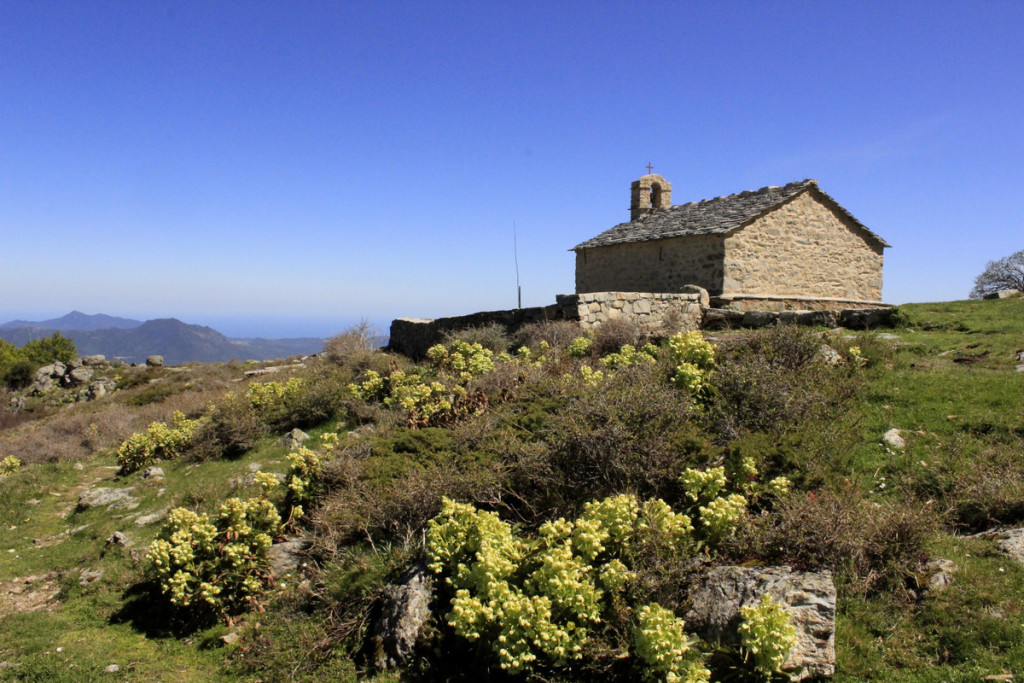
column 158, row 442
column 218, row 565
column 667, row 652
column 9, row 465
column 693, row 359
column 537, row 601
column 767, row 635
column 630, row 355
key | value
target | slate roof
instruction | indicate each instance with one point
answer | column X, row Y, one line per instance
column 712, row 216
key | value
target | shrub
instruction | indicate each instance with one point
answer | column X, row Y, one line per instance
column 612, row 335
column 158, row 442
column 693, row 359
column 580, row 347
column 493, row 337
column 18, row 374
column 538, row 603
column 870, row 546
column 355, row 348
column 557, row 333
column 773, row 380
column 633, row 433
column 221, row 566
column 56, row 347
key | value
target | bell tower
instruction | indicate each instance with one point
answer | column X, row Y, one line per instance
column 650, row 193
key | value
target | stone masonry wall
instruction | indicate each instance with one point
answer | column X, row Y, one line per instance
column 658, row 313
column 803, row 249
column 656, row 266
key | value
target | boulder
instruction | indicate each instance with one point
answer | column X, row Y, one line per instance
column 938, row 575
column 295, row 438
column 154, row 473
column 286, row 556
column 97, row 389
column 79, row 375
column 405, row 612
column 1009, row 541
column 1003, row 294
column 152, row 518
column 111, row 498
column 155, row 361
column 759, row 318
column 810, row 598
column 55, row 370
column 866, row 318
column 93, row 360
column 829, row 355
column 722, row 318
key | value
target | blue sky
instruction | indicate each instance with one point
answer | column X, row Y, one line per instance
column 288, row 168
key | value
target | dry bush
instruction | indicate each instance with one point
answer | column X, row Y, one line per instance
column 631, row 433
column 355, row 348
column 557, row 333
column 493, row 336
column 364, row 505
column 871, row 546
column 77, row 431
column 612, row 335
column 976, row 490
column 773, row 379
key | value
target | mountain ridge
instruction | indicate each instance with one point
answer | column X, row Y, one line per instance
column 178, row 342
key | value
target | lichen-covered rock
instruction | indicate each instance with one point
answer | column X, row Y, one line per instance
column 111, row 498
column 286, row 556
column 155, row 361
column 809, row 597
column 1010, row 541
column 404, row 615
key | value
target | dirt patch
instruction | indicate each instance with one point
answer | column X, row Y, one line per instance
column 29, row 594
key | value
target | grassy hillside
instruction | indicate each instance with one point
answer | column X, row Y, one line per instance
column 532, row 437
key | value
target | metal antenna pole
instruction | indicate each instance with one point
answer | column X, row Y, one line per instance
column 515, row 252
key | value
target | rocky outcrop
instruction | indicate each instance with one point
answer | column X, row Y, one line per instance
column 155, row 362
column 810, row 597
column 404, row 614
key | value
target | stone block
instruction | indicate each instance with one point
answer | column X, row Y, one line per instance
column 809, row 597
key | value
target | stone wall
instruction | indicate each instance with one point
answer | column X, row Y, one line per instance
column 803, row 249
column 413, row 336
column 664, row 265
column 658, row 313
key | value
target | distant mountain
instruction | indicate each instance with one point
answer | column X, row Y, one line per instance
column 176, row 341
column 76, row 320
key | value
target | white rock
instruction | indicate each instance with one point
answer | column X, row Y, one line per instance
column 893, row 440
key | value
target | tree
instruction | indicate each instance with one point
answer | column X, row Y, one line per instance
column 53, row 348
column 1006, row 273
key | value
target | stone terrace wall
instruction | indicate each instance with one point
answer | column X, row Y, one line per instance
column 659, row 313
column 413, row 336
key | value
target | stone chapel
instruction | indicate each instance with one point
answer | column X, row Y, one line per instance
column 788, row 244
